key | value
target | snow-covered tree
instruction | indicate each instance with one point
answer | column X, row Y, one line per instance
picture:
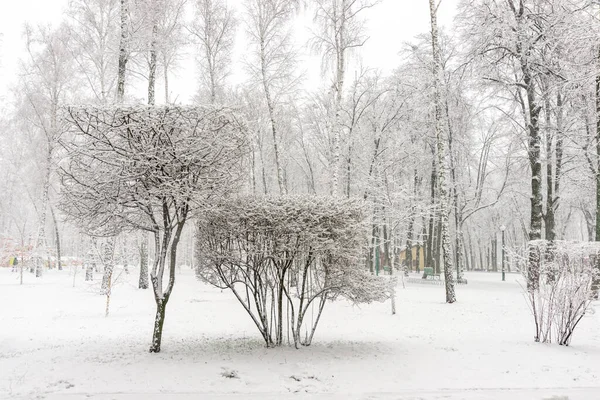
column 441, row 139
column 272, row 64
column 149, row 168
column 340, row 30
column 213, row 31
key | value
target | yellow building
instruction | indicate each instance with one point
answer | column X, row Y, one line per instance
column 414, row 258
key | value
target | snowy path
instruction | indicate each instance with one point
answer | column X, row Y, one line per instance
column 56, row 344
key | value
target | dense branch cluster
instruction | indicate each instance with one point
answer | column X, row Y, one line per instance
column 285, row 256
column 127, row 163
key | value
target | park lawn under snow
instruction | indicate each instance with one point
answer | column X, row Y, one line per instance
column 55, row 343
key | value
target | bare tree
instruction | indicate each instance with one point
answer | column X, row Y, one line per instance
column 340, row 30
column 94, row 33
column 273, row 64
column 46, row 82
column 441, row 138
column 213, row 29
column 147, row 168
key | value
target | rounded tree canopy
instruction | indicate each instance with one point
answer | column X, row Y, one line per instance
column 128, row 167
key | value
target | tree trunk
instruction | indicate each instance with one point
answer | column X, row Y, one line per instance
column 159, row 320
column 437, row 250
column 495, row 253
column 41, row 239
column 534, row 148
column 167, row 247
column 166, row 77
column 432, row 213
column 411, row 223
column 123, row 50
column 271, row 110
column 549, row 220
column 596, row 280
column 481, row 250
column 439, row 127
column 340, row 70
column 458, row 240
column 143, row 281
column 418, row 257
column 91, row 265
column 108, row 260
column 57, row 236
column 152, row 63
column 386, row 243
column 597, row 236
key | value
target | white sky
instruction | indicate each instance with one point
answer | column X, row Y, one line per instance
column 389, row 24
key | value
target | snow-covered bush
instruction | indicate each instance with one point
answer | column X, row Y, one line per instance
column 284, row 257
column 564, row 290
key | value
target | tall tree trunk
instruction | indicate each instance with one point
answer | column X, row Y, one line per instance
column 494, row 253
column 534, row 150
column 386, row 242
column 263, row 167
column 458, row 240
column 418, row 257
column 598, row 148
column 430, row 237
column 481, row 250
column 373, row 243
column 57, row 238
column 408, row 260
column 411, row 222
column 439, row 128
column 340, row 71
column 152, row 61
column 41, row 238
column 271, row 110
column 437, row 250
column 123, row 50
column 553, row 164
column 166, row 77
column 596, row 283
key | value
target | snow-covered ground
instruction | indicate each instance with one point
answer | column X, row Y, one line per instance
column 55, row 343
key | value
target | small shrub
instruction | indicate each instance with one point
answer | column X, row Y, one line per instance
column 285, row 256
column 564, row 290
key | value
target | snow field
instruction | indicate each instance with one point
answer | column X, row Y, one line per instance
column 55, row 343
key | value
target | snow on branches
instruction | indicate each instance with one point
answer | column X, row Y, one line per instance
column 126, row 163
column 565, row 287
column 147, row 167
column 285, row 256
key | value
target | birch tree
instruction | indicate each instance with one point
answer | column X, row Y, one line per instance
column 213, row 31
column 273, row 63
column 46, row 82
column 340, row 30
column 124, row 49
column 441, row 152
column 94, row 32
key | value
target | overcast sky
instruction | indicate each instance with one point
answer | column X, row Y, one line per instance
column 389, row 24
